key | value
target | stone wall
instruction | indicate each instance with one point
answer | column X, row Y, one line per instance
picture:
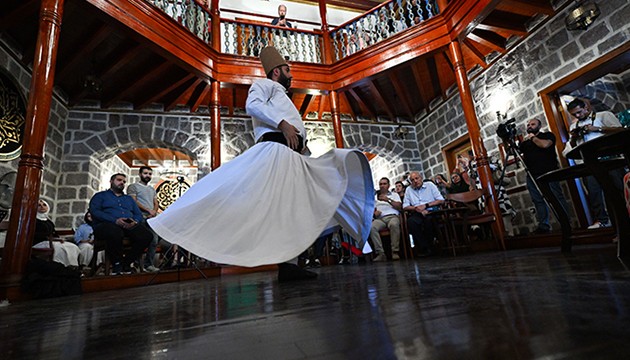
column 550, row 54
column 610, row 92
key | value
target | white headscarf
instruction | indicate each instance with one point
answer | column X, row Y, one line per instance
column 42, row 216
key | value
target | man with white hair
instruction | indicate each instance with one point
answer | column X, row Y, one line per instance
column 419, row 198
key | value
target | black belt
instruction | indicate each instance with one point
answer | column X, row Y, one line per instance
column 278, row 137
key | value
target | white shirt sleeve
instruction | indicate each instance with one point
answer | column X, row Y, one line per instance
column 260, row 106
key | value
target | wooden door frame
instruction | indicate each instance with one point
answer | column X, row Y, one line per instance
column 558, row 116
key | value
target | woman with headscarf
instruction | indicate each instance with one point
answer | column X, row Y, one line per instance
column 64, row 252
column 458, row 185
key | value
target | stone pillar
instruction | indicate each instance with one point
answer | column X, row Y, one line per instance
column 336, row 118
column 215, row 126
column 18, row 244
column 479, row 150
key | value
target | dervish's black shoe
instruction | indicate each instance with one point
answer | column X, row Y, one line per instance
column 292, row 272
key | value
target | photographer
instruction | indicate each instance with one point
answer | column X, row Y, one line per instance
column 587, row 126
column 540, row 157
column 281, row 19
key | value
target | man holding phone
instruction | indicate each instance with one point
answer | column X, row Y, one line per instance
column 115, row 216
column 281, row 19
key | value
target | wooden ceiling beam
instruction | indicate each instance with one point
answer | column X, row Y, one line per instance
column 345, row 103
column 402, row 94
column 477, row 55
column 503, row 21
column 156, row 155
column 364, row 107
column 204, row 94
column 81, row 52
column 306, row 104
column 321, row 108
column 138, row 82
column 121, row 56
column 527, row 7
column 489, row 39
column 424, row 100
column 155, row 97
column 435, row 76
column 120, row 60
column 17, row 15
column 184, row 96
column 447, row 59
column 303, row 105
column 378, row 96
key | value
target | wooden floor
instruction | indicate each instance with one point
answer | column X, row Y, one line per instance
column 520, row 304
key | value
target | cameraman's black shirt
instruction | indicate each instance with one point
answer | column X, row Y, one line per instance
column 540, row 160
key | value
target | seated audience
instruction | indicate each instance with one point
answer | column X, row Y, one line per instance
column 64, row 252
column 84, row 238
column 440, row 181
column 386, row 214
column 116, row 215
column 457, row 185
column 400, row 189
column 419, row 197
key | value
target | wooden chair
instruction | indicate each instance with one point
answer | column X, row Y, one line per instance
column 44, row 253
column 473, row 216
column 404, row 251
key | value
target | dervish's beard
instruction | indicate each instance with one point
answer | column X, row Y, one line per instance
column 284, row 81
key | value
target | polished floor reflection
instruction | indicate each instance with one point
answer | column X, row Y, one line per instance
column 524, row 304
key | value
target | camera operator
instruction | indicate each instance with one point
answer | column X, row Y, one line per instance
column 540, row 157
column 587, row 126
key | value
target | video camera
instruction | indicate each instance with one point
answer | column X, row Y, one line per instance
column 507, row 131
column 579, row 131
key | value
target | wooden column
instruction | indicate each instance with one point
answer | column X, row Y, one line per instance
column 215, row 126
column 479, row 150
column 17, row 248
column 328, row 49
column 336, row 118
column 215, row 21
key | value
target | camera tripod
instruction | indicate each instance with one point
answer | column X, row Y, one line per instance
column 512, row 150
column 170, row 256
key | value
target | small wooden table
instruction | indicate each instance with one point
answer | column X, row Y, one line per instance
column 591, row 152
column 450, row 236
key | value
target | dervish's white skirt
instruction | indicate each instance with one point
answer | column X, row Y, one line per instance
column 269, row 204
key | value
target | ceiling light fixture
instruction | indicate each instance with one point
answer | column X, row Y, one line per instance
column 582, row 16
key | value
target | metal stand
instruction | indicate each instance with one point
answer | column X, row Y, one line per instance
column 512, row 149
column 170, row 254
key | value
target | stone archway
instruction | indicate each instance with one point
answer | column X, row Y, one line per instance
column 92, row 138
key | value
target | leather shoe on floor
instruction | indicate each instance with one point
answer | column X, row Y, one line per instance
column 542, row 231
column 292, row 272
column 379, row 258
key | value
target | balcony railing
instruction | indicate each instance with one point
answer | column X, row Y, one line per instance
column 247, row 38
column 190, row 14
column 379, row 24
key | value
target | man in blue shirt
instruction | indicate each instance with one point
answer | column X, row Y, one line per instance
column 115, row 216
column 419, row 197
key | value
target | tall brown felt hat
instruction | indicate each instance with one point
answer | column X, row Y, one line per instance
column 271, row 59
